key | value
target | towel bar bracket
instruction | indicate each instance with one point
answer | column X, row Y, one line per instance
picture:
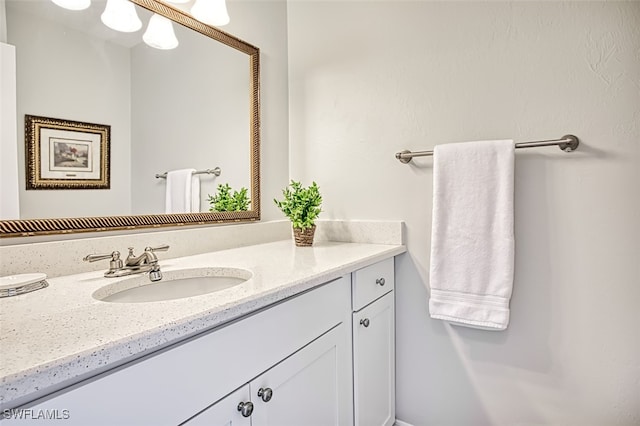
column 402, row 158
column 570, row 146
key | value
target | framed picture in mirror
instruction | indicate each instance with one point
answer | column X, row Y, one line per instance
column 65, row 154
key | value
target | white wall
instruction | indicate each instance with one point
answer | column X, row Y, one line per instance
column 90, row 83
column 368, row 79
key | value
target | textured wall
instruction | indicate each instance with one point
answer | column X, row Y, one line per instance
column 368, row 79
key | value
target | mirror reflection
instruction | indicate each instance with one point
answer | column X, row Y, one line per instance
column 168, row 109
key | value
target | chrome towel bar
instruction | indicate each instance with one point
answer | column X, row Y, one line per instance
column 215, row 171
column 567, row 143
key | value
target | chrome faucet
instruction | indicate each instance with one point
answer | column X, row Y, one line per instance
column 146, row 262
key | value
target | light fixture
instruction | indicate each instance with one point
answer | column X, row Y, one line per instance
column 212, row 12
column 178, row 1
column 160, row 33
column 120, row 15
column 73, row 4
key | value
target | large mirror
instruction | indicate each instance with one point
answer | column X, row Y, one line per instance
column 195, row 106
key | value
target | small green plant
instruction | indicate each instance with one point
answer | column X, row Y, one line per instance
column 301, row 205
column 227, row 201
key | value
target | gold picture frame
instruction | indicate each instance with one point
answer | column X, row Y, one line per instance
column 66, row 154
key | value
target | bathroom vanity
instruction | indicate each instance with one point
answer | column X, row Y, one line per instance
column 308, row 339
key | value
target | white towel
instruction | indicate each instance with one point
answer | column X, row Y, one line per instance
column 472, row 242
column 183, row 192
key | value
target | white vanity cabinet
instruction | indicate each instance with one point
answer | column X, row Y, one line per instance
column 320, row 358
column 374, row 344
column 301, row 390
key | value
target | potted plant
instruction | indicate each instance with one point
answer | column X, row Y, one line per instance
column 302, row 206
column 227, row 201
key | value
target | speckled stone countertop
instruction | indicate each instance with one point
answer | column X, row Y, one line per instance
column 53, row 337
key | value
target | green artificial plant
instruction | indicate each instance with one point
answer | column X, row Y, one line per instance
column 227, row 201
column 301, row 205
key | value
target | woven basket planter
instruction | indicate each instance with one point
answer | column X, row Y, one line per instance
column 304, row 237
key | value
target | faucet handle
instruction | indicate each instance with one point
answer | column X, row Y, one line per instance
column 114, row 265
column 114, row 256
column 163, row 247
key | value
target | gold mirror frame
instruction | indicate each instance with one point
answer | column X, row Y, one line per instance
column 31, row 227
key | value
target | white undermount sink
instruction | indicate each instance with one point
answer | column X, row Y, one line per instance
column 176, row 284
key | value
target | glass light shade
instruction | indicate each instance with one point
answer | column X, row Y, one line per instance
column 120, row 15
column 211, row 12
column 73, row 4
column 160, row 33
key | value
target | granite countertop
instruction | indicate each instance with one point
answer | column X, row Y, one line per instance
column 53, row 337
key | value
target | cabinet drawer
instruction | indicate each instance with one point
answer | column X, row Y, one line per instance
column 372, row 282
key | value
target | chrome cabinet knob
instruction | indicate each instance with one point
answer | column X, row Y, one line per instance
column 265, row 393
column 380, row 282
column 365, row 322
column 245, row 408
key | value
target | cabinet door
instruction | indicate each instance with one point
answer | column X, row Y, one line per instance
column 225, row 412
column 311, row 387
column 374, row 363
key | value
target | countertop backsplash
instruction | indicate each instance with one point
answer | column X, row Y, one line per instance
column 64, row 257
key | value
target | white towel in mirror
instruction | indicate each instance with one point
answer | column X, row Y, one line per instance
column 183, row 192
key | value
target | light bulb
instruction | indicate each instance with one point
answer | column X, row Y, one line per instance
column 120, row 15
column 160, row 33
column 211, row 12
column 73, row 4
